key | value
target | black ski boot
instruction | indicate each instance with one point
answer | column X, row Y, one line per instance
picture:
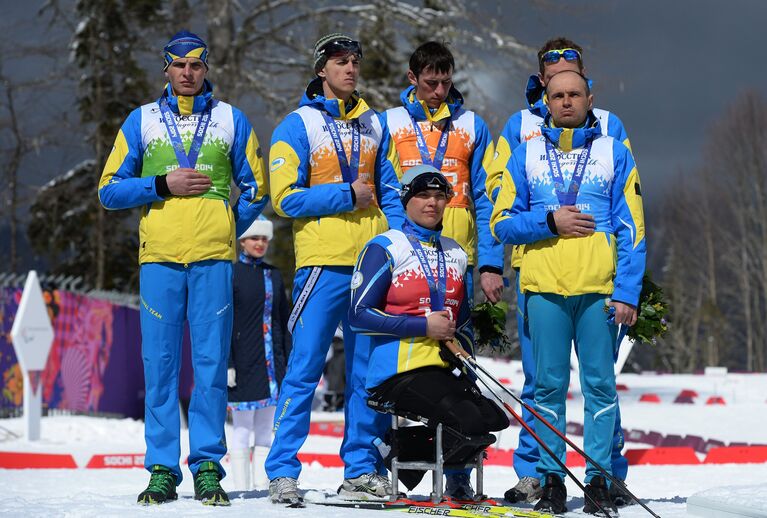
column 619, row 496
column 597, row 490
column 554, row 496
column 161, row 489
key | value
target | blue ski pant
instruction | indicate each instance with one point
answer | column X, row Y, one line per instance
column 526, row 454
column 555, row 321
column 321, row 298
column 172, row 293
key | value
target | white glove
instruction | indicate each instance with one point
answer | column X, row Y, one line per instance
column 231, row 378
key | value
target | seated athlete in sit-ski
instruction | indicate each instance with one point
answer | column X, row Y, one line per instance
column 408, row 292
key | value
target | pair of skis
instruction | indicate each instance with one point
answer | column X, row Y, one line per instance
column 487, row 509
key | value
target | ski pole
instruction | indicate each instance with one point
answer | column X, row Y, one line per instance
column 463, row 356
column 621, row 484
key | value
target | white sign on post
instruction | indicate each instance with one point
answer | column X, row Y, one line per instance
column 32, row 337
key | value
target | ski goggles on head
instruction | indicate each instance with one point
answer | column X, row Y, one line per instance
column 423, row 178
column 553, row 56
column 337, row 47
column 427, row 182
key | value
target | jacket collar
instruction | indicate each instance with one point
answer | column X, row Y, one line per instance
column 247, row 259
column 567, row 139
column 314, row 97
column 420, row 111
column 423, row 234
column 185, row 104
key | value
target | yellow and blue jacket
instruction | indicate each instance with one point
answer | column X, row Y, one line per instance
column 525, row 125
column 391, row 299
column 306, row 181
column 469, row 152
column 185, row 229
column 610, row 261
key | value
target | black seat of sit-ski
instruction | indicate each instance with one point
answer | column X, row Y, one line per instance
column 418, row 443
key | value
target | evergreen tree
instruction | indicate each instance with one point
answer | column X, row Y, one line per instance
column 112, row 83
column 61, row 224
column 382, row 75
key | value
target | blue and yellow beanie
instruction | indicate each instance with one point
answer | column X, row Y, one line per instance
column 185, row 44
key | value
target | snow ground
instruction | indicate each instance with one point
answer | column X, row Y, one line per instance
column 112, row 492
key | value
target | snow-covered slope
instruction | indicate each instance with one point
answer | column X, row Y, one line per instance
column 112, row 492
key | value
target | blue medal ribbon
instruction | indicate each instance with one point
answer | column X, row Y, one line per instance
column 439, row 153
column 438, row 286
column 571, row 195
column 349, row 168
column 188, row 161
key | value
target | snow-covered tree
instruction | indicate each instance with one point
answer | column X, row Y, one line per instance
column 262, row 50
column 83, row 238
column 63, row 217
column 24, row 139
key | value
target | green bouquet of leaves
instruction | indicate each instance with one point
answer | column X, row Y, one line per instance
column 651, row 315
column 489, row 323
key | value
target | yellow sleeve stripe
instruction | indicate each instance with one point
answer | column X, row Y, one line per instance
column 487, row 158
column 115, row 159
column 283, row 173
column 505, row 200
column 627, row 143
column 361, row 258
column 256, row 166
column 393, row 157
column 634, row 201
column 497, row 167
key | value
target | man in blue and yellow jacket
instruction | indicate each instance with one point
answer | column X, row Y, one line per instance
column 433, row 127
column 572, row 196
column 176, row 158
column 334, row 173
column 556, row 55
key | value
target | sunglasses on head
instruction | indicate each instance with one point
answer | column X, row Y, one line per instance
column 342, row 47
column 553, row 56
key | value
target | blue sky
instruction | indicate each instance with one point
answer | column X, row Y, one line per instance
column 669, row 69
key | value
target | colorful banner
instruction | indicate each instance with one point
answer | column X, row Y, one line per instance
column 94, row 365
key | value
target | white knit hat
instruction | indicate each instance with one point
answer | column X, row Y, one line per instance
column 260, row 227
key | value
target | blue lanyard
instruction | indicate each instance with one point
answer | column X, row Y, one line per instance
column 349, row 168
column 569, row 197
column 438, row 286
column 188, row 161
column 439, row 153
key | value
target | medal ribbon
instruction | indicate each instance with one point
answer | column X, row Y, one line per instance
column 349, row 168
column 188, row 161
column 438, row 285
column 567, row 197
column 439, row 153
